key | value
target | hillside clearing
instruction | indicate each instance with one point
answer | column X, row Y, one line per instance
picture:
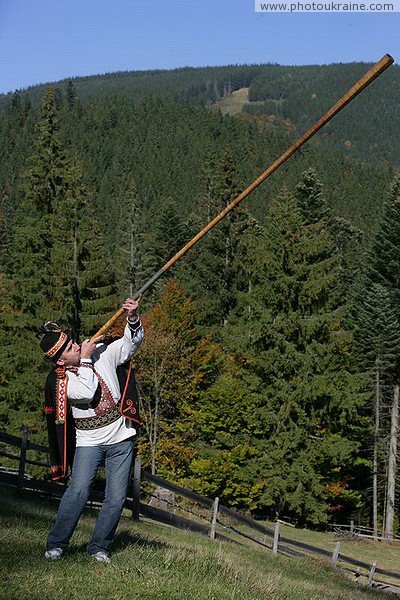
column 233, row 103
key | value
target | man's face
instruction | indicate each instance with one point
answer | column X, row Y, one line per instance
column 71, row 355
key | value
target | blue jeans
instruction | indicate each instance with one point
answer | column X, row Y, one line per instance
column 117, row 459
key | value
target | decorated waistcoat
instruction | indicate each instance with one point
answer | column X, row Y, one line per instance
column 60, row 423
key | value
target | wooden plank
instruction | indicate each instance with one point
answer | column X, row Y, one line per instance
column 177, row 489
column 172, row 519
column 13, row 440
column 239, row 518
column 22, row 458
column 169, row 518
column 207, row 502
column 10, row 456
column 137, row 469
column 308, row 547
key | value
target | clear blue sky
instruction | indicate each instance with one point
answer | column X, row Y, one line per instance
column 49, row 40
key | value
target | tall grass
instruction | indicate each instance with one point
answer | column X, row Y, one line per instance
column 150, row 561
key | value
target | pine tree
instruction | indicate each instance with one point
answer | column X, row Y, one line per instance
column 170, row 232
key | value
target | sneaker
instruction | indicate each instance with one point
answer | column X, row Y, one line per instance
column 53, row 554
column 102, row 557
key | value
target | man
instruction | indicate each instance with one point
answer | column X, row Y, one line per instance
column 91, row 380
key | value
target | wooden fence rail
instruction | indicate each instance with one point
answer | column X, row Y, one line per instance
column 360, row 531
column 271, row 539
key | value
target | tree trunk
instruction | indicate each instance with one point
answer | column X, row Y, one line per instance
column 375, row 458
column 155, row 421
column 391, row 480
column 132, row 255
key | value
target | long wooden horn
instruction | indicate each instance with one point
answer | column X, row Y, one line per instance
column 357, row 88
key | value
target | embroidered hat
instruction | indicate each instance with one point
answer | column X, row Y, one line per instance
column 53, row 340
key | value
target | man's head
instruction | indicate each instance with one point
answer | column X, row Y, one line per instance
column 58, row 345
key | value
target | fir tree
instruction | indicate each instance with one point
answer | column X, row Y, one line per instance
column 374, row 315
column 295, row 341
column 310, row 198
column 134, row 254
column 58, row 271
column 208, row 272
column 385, row 251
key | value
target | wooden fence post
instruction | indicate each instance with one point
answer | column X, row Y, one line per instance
column 351, row 527
column 335, row 555
column 372, row 573
column 137, row 471
column 22, row 458
column 214, row 518
column 277, row 534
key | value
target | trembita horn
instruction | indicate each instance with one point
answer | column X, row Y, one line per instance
column 357, row 88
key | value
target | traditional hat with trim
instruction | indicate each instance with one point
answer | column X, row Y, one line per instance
column 53, row 340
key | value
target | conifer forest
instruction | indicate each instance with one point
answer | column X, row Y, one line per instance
column 269, row 376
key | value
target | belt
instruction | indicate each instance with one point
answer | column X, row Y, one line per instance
column 99, row 420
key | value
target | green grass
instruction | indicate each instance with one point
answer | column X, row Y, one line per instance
column 151, row 561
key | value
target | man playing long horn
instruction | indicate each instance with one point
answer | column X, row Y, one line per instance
column 93, row 380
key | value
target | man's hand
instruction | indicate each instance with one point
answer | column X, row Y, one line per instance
column 131, row 306
column 89, row 346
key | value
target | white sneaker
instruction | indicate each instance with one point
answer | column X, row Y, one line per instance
column 53, row 554
column 102, row 557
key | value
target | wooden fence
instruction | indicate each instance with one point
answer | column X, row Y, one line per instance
column 360, row 531
column 212, row 514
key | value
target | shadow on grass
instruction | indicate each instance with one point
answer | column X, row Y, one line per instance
column 122, row 541
column 27, row 518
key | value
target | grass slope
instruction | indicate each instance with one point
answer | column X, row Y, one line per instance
column 152, row 562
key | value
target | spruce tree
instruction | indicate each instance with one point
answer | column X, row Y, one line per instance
column 385, row 252
column 134, row 248
column 374, row 315
column 59, row 271
column 208, row 272
column 294, row 339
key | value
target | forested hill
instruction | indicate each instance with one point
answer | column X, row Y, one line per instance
column 173, row 114
column 291, row 96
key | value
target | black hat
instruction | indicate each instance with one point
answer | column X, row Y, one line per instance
column 53, row 340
